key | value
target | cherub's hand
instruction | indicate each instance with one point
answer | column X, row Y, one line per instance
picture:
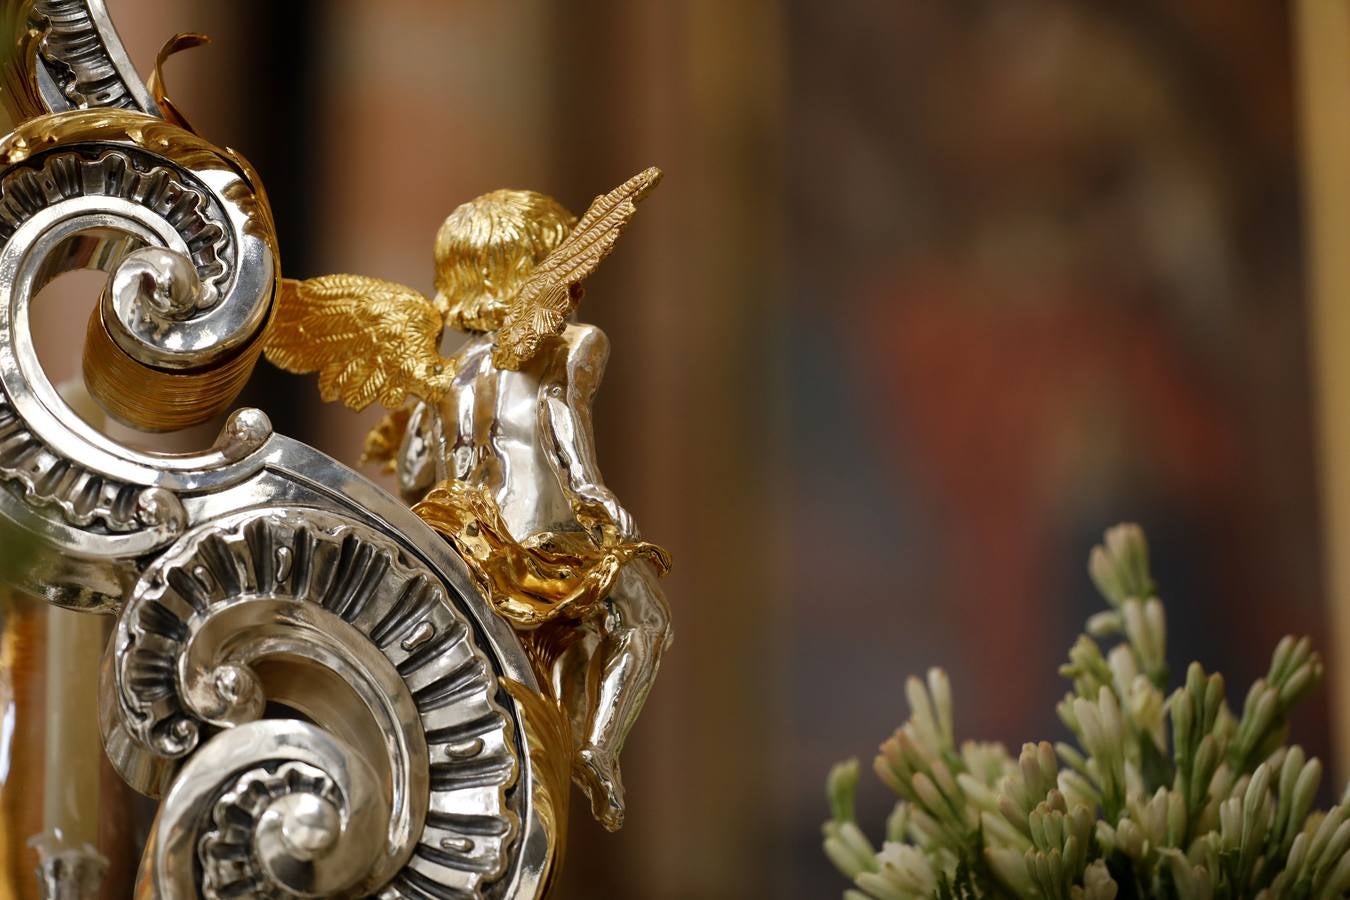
column 603, row 508
column 623, row 522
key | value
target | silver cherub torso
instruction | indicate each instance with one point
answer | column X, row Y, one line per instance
column 526, row 437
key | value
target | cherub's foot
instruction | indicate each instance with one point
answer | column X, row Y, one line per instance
column 598, row 771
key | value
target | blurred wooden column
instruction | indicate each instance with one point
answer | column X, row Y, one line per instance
column 688, row 419
column 1322, row 30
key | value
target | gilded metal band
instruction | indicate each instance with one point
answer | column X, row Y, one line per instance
column 154, row 399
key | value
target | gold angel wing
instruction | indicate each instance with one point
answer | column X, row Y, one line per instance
column 551, row 291
column 368, row 339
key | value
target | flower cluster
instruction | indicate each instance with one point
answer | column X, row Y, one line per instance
column 1161, row 796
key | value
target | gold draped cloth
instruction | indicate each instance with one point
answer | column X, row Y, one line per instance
column 547, row 576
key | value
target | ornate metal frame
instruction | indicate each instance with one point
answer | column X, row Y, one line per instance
column 301, row 668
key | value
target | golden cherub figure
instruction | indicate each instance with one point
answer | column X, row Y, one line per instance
column 497, row 451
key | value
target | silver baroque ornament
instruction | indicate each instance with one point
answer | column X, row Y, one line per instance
column 323, row 615
column 302, row 670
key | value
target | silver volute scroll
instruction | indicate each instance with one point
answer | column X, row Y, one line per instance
column 312, row 610
column 301, row 670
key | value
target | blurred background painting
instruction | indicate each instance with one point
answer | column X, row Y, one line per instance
column 933, row 293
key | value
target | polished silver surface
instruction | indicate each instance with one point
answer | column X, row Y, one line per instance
column 285, row 783
column 380, row 640
column 155, row 287
column 301, row 668
column 326, row 616
column 82, row 62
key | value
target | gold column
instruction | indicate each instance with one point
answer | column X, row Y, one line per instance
column 1322, row 31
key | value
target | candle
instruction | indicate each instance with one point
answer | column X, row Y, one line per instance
column 70, row 785
column 74, row 747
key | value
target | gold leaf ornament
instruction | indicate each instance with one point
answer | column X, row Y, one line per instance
column 155, row 83
column 367, row 338
column 550, row 293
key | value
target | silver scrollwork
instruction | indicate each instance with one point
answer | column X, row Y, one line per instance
column 83, row 63
column 327, row 617
column 293, row 818
column 302, row 670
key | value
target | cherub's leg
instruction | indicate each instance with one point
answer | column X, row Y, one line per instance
column 635, row 633
column 571, row 675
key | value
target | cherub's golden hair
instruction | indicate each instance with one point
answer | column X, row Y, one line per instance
column 487, row 247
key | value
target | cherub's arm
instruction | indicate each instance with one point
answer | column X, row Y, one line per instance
column 565, row 425
column 417, row 456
